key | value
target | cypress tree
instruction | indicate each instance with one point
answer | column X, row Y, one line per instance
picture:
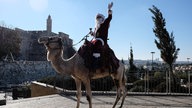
column 165, row 41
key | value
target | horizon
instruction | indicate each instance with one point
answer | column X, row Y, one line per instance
column 131, row 24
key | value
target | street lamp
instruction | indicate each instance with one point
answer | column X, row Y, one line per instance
column 152, row 60
column 189, row 77
column 145, row 78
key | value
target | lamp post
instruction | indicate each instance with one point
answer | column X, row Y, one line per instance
column 145, row 78
column 189, row 77
column 152, row 60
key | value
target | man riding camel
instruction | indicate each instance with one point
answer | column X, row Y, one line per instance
column 96, row 53
column 100, row 35
column 102, row 26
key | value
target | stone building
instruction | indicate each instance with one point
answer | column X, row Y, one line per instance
column 31, row 50
column 32, row 63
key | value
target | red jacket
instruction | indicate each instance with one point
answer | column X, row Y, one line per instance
column 102, row 32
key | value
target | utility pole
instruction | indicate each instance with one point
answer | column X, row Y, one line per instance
column 152, row 60
column 189, row 76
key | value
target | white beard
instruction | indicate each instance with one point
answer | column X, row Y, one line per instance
column 97, row 26
column 98, row 23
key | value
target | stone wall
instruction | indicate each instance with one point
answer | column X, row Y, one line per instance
column 31, row 50
column 22, row 71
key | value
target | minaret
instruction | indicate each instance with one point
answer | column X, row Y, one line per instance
column 49, row 25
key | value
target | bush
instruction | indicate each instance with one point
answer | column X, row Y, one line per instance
column 158, row 75
column 138, row 86
column 160, row 88
column 139, row 83
column 179, row 89
column 137, row 89
column 131, row 76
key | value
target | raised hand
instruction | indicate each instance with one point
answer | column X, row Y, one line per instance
column 110, row 5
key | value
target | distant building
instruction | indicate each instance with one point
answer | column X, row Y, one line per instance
column 49, row 25
column 31, row 50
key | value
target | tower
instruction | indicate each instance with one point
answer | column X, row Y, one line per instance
column 49, row 25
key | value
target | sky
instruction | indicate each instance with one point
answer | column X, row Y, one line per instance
column 131, row 25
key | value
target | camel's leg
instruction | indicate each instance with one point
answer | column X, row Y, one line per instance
column 124, row 90
column 118, row 95
column 88, row 92
column 120, row 80
column 78, row 86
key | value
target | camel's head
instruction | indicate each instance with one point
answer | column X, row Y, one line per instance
column 53, row 45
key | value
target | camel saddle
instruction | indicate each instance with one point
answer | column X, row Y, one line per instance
column 106, row 58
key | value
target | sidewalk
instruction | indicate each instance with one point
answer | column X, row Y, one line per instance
column 62, row 101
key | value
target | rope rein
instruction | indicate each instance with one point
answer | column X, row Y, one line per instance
column 84, row 38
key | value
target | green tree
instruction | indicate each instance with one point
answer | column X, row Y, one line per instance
column 9, row 41
column 165, row 42
column 132, row 71
column 132, row 65
column 122, row 61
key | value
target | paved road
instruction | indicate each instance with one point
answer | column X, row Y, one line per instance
column 62, row 101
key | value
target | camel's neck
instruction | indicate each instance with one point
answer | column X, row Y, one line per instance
column 63, row 66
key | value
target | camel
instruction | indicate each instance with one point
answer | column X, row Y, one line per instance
column 75, row 67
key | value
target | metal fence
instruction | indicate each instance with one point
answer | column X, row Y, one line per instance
column 139, row 82
column 142, row 82
column 156, row 81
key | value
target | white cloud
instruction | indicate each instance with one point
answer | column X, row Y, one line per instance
column 38, row 5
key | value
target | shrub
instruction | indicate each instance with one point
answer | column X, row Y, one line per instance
column 139, row 83
column 161, row 87
column 137, row 89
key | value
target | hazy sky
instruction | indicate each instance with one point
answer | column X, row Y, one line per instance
column 131, row 24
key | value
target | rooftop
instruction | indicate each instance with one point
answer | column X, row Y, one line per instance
column 67, row 101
